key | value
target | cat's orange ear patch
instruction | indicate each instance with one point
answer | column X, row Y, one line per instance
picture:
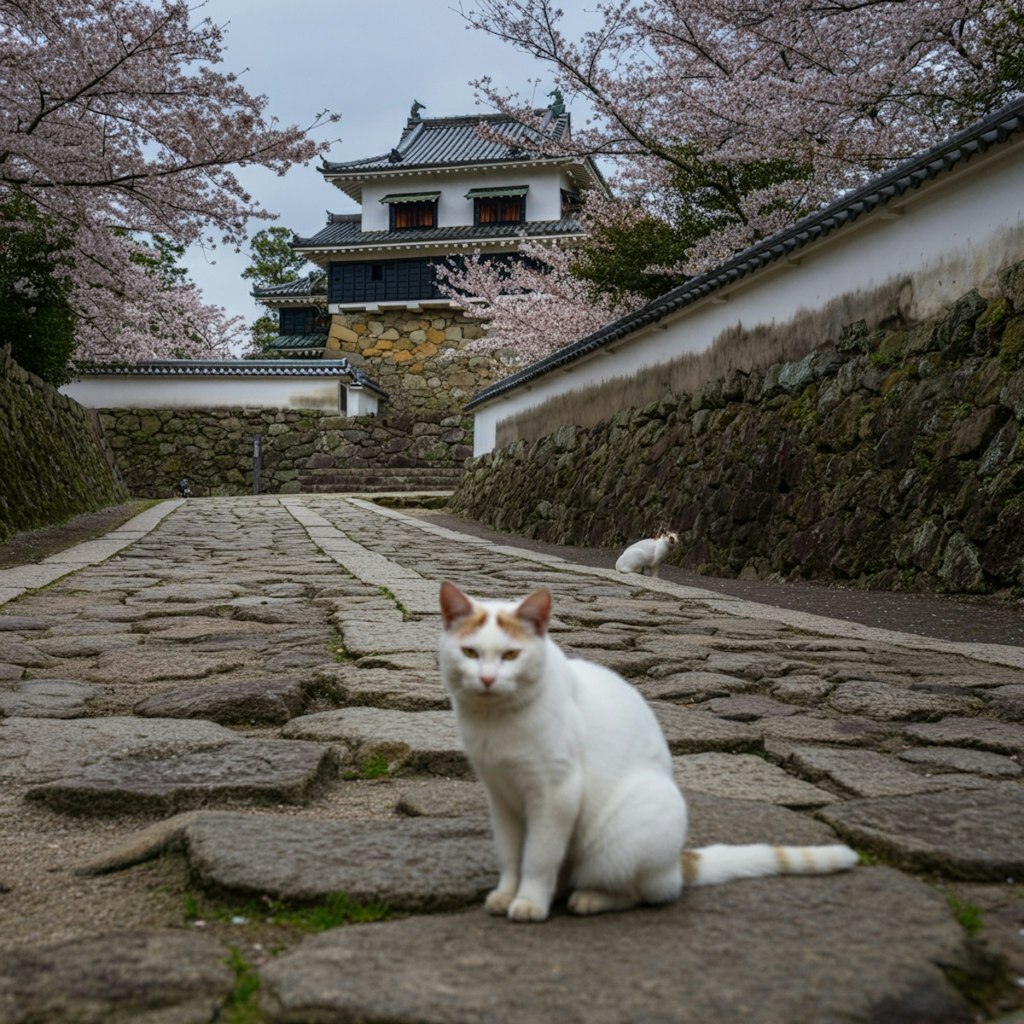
column 454, row 604
column 536, row 611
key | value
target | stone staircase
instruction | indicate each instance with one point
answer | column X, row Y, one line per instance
column 396, row 479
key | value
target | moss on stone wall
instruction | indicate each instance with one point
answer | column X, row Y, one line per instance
column 52, row 460
column 888, row 458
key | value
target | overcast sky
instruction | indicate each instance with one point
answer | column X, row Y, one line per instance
column 367, row 60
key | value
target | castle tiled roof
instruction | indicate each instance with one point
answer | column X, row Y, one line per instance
column 888, row 187
column 316, row 341
column 231, row 368
column 344, row 232
column 456, row 142
column 312, row 286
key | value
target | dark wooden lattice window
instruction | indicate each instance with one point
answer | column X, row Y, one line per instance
column 500, row 210
column 413, row 215
column 302, row 321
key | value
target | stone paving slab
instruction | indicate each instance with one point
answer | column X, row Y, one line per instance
column 683, row 687
column 231, row 702
column 788, row 962
column 46, row 698
column 418, row 865
column 815, row 727
column 745, row 777
column 159, row 662
column 252, row 771
column 384, row 634
column 715, row 819
column 879, row 700
column 21, row 623
column 868, row 773
column 424, row 741
column 1000, row 737
column 976, row 835
column 38, row 750
column 384, row 688
column 960, row 759
column 693, row 730
column 135, row 977
column 88, row 644
column 1009, row 701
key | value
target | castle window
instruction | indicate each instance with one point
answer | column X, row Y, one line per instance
column 412, row 210
column 499, row 205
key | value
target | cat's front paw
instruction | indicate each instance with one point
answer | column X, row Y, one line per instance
column 526, row 910
column 498, row 902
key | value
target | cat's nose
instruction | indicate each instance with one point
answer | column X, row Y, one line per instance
column 488, row 680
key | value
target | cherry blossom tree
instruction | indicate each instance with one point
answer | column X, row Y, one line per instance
column 115, row 127
column 532, row 305
column 736, row 117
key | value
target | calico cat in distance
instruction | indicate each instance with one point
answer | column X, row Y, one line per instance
column 647, row 554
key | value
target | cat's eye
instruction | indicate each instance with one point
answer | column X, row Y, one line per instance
column 510, row 656
column 470, row 652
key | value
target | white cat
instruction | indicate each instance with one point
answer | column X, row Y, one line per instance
column 577, row 772
column 648, row 553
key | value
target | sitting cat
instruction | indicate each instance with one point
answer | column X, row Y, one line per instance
column 648, row 553
column 577, row 772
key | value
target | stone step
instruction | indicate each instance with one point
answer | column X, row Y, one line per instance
column 384, row 478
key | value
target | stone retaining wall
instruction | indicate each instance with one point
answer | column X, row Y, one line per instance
column 893, row 459
column 415, row 357
column 300, row 449
column 53, row 465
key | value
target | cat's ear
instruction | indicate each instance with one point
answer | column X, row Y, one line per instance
column 454, row 604
column 536, row 610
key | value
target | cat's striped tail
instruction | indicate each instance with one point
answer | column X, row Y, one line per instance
column 711, row 865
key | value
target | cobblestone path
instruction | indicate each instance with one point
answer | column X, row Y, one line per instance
column 231, row 790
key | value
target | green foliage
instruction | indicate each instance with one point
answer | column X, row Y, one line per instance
column 336, row 646
column 968, row 915
column 161, row 259
column 241, row 1001
column 390, row 595
column 619, row 259
column 273, row 260
column 36, row 318
column 375, row 767
column 333, row 911
column 1004, row 42
column 615, row 259
column 263, row 331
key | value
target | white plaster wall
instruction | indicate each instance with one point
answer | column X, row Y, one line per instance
column 543, row 201
column 118, row 392
column 946, row 238
column 361, row 402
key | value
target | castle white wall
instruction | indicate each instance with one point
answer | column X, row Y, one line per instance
column 543, row 201
column 938, row 242
column 180, row 392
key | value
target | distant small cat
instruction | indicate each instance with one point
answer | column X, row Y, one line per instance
column 578, row 774
column 648, row 553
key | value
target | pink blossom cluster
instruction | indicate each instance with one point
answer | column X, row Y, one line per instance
column 531, row 307
column 842, row 89
column 116, row 126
